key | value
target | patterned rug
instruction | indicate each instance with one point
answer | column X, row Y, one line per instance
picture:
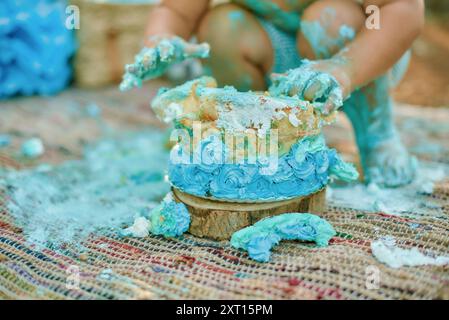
column 112, row 267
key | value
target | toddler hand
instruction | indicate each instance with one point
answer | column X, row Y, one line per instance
column 153, row 61
column 313, row 81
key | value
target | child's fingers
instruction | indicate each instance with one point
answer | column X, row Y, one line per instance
column 313, row 89
column 166, row 50
column 149, row 58
column 197, row 50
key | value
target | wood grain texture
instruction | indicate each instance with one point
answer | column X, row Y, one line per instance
column 219, row 220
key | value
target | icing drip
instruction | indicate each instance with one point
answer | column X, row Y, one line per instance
column 152, row 62
column 259, row 238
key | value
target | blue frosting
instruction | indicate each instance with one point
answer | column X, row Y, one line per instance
column 259, row 238
column 152, row 62
column 304, row 170
column 169, row 219
column 5, row 140
column 35, row 47
column 32, row 148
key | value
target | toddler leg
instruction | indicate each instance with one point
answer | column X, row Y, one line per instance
column 241, row 52
column 326, row 27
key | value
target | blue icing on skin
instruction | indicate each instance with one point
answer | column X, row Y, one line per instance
column 170, row 218
column 304, row 170
column 236, row 16
column 296, row 82
column 259, row 238
column 33, row 148
column 316, row 33
column 152, row 62
column 384, row 158
column 288, row 21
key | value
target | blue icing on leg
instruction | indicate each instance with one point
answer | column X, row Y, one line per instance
column 385, row 160
column 259, row 238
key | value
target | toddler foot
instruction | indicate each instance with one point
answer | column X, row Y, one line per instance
column 389, row 164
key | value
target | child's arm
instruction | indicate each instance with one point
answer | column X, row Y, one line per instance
column 373, row 51
column 169, row 24
column 371, row 54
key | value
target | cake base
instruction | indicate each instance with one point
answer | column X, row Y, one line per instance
column 218, row 220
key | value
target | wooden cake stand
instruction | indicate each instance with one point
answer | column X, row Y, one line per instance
column 218, row 220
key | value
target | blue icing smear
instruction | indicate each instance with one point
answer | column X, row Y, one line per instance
column 259, row 238
column 5, row 140
column 35, row 47
column 116, row 179
column 170, row 218
column 306, row 169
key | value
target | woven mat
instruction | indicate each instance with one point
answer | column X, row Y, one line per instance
column 193, row 268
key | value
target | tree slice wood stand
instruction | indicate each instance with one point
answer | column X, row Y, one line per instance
column 218, row 220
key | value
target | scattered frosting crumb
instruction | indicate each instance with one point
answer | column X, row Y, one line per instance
column 169, row 219
column 33, row 148
column 386, row 251
column 139, row 229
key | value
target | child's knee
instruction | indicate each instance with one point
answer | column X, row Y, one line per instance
column 327, row 26
column 236, row 37
column 215, row 26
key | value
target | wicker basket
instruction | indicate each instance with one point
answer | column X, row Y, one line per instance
column 110, row 35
